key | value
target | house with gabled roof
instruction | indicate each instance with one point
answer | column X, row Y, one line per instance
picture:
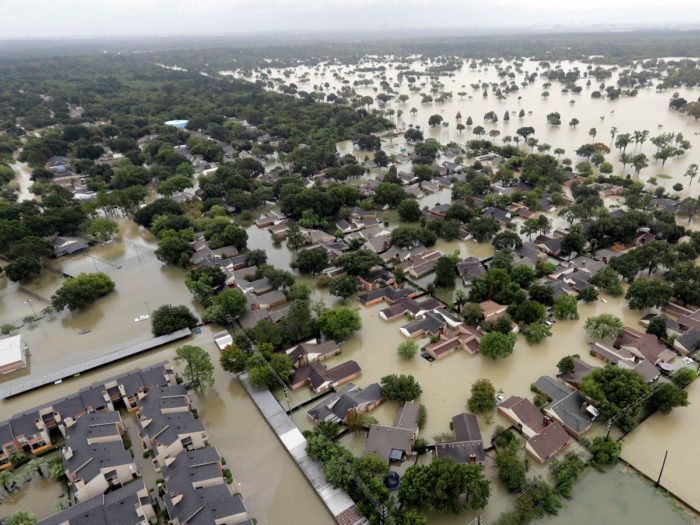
column 645, row 346
column 524, row 415
column 571, row 409
column 349, row 400
column 390, row 294
column 320, row 379
column 312, row 351
column 468, row 447
column 575, row 377
column 547, row 443
column 464, row 337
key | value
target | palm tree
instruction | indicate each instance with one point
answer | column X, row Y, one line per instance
column 613, row 132
column 358, row 422
column 460, row 299
column 691, row 173
column 7, row 480
column 36, row 465
column 56, row 469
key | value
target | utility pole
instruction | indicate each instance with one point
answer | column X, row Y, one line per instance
column 29, row 302
column 658, row 480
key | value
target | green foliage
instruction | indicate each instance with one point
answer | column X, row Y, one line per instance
column 537, row 332
column 199, row 370
column 311, row 261
column 605, row 451
column 666, row 397
column 409, row 210
column 101, row 228
column 343, row 286
column 496, row 345
column 400, row 387
column 21, row 517
column 174, row 248
column 565, row 307
column 228, row 304
column 647, row 293
column 511, row 470
column 445, row 271
column 588, row 295
column 657, row 327
column 566, row 472
column 614, row 389
column 603, row 326
column 167, row 319
column 566, row 365
column 338, row 323
column 483, row 397
column 23, row 269
column 439, row 485
column 203, row 281
column 81, row 291
column 407, row 349
column 359, row 262
column 684, row 377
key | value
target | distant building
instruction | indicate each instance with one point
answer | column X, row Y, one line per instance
column 67, row 245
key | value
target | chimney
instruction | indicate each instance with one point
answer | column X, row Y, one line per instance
column 175, row 498
column 67, row 452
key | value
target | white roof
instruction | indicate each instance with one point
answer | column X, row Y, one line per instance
column 11, row 350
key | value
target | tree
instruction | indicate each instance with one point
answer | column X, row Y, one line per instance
column 199, row 370
column 434, row 120
column 445, row 271
column 657, row 327
column 389, row 193
column 511, row 470
column 684, row 377
column 523, row 275
column 400, row 388
column 496, row 345
column 167, row 319
column 439, row 486
column 647, row 293
column 483, row 228
column 21, row 517
column 573, row 242
column 409, row 210
column 588, row 294
column 507, row 240
column 603, row 326
column 174, row 249
column 338, row 323
column 537, row 332
column 608, row 280
column 566, row 365
column 614, row 389
column 81, row 291
column 228, row 304
column 407, row 349
column 691, row 173
column 525, row 131
column 343, row 286
column 605, row 451
column 101, row 229
column 23, row 269
column 565, row 307
column 311, row 261
column 529, row 311
column 203, row 281
column 666, row 397
column 233, row 359
column 359, row 262
column 483, row 398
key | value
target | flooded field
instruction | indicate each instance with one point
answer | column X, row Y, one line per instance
column 602, row 114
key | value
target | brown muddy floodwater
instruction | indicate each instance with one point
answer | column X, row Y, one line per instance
column 624, row 113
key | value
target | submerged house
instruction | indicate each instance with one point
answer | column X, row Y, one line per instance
column 320, row 379
column 468, row 447
column 349, row 400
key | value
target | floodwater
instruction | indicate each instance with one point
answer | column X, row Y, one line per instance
column 271, row 484
column 130, row 262
column 623, row 113
column 616, row 496
column 645, row 446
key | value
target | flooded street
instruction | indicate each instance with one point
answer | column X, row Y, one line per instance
column 622, row 113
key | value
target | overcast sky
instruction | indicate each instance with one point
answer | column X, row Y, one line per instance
column 52, row 18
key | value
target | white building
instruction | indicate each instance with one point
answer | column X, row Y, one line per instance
column 13, row 354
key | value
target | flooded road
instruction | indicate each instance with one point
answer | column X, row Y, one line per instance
column 622, row 113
